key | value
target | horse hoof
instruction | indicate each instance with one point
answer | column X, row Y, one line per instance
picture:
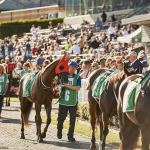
column 40, row 140
column 93, row 147
column 100, row 146
column 22, row 137
column 43, row 135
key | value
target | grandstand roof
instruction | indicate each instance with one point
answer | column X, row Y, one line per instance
column 139, row 20
column 10, row 5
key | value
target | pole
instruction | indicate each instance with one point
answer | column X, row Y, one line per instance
column 40, row 3
column 72, row 7
column 65, row 8
column 80, row 5
column 85, row 7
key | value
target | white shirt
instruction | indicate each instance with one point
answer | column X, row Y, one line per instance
column 75, row 49
column 111, row 30
column 124, row 32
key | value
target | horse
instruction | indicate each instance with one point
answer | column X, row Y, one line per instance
column 131, row 123
column 106, row 107
column 12, row 90
column 8, row 93
column 41, row 94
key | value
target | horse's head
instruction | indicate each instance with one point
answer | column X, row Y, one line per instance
column 62, row 70
column 63, row 78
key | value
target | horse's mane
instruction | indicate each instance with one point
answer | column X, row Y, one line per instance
column 117, row 77
column 51, row 64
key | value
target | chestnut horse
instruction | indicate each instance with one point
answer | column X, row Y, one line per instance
column 41, row 94
column 131, row 123
column 106, row 107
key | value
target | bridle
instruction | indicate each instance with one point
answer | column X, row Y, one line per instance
column 45, row 87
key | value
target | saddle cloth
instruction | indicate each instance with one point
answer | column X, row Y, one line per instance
column 132, row 92
column 100, row 84
column 28, row 84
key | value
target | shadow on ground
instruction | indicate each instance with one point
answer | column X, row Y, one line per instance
column 73, row 145
column 9, row 120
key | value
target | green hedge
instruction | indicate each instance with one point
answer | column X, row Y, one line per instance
column 24, row 26
column 83, row 113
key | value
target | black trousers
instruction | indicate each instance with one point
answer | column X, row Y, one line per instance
column 62, row 114
column 1, row 102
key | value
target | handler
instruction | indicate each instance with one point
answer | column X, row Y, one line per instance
column 68, row 102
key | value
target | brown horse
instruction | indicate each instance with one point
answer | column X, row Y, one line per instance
column 41, row 94
column 131, row 123
column 105, row 108
column 7, row 94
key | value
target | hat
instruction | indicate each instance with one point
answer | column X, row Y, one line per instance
column 73, row 63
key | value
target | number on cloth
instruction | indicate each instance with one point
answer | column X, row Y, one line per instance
column 67, row 95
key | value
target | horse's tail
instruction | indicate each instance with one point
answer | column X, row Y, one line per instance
column 98, row 115
column 135, row 135
column 26, row 105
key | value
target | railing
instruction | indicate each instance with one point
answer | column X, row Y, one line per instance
column 24, row 14
column 137, row 11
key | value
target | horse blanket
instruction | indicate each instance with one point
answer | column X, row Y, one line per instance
column 28, row 84
column 100, row 84
column 132, row 92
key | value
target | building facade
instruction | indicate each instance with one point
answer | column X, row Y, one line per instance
column 82, row 7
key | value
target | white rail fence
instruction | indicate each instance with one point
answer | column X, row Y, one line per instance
column 83, row 92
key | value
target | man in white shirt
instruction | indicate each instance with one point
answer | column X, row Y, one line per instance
column 111, row 30
column 85, row 70
column 75, row 49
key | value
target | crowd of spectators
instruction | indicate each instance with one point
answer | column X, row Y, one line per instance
column 91, row 48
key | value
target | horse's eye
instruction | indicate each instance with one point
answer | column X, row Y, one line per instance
column 61, row 67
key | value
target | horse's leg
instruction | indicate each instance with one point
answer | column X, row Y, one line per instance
column 119, row 111
column 105, row 120
column 145, row 138
column 6, row 100
column 92, row 110
column 22, row 128
column 101, row 128
column 129, row 133
column 9, row 100
column 38, row 121
column 48, row 108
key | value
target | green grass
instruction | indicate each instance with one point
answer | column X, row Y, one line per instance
column 13, row 99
